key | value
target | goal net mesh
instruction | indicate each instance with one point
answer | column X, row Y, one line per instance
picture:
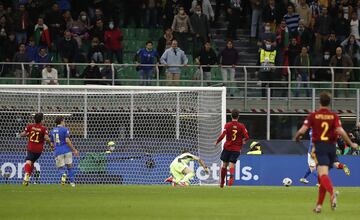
column 149, row 126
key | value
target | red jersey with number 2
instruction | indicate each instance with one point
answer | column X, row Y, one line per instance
column 36, row 137
column 323, row 123
column 235, row 132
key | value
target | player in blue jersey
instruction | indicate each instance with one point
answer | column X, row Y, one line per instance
column 312, row 163
column 63, row 149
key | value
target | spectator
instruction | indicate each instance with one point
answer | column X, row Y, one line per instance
column 267, row 61
column 107, row 72
column 170, row 10
column 324, row 74
column 164, row 42
column 151, row 13
column 322, row 29
column 68, row 48
column 341, row 27
column 282, row 42
column 98, row 16
column 293, row 51
column 341, row 75
column 146, row 56
column 228, row 58
column 42, row 57
column 354, row 26
column 173, row 56
column 69, row 21
column 181, row 27
column 3, row 11
column 80, row 28
column 270, row 14
column 346, row 7
column 10, row 47
column 206, row 7
column 21, row 24
column 357, row 9
column 31, row 50
column 132, row 12
column 92, row 72
column 333, row 9
column 42, row 34
column 303, row 74
column 98, row 31
column 201, row 28
column 113, row 42
column 64, row 5
column 291, row 18
column 56, row 23
column 303, row 35
column 234, row 16
column 351, row 47
column 49, row 75
column 304, row 12
column 316, row 8
column 267, row 34
column 19, row 71
column 257, row 6
column 96, row 51
column 331, row 44
column 206, row 57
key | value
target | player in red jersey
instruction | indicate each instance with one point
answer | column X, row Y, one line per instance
column 37, row 134
column 236, row 135
column 326, row 127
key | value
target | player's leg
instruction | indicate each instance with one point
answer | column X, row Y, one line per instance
column 189, row 174
column 60, row 164
column 70, row 169
column 30, row 160
column 176, row 171
column 233, row 159
column 311, row 169
column 341, row 166
column 225, row 162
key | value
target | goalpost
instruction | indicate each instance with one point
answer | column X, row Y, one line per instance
column 149, row 125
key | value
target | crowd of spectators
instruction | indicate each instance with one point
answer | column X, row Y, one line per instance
column 81, row 31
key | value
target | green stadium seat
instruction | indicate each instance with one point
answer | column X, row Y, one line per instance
column 142, row 34
column 129, row 33
column 130, row 46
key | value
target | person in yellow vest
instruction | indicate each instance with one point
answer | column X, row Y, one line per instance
column 255, row 148
column 267, row 63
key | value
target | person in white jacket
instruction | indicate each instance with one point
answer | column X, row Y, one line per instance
column 49, row 76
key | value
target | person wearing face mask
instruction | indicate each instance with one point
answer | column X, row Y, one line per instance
column 323, row 74
column 146, row 55
column 92, row 72
column 341, row 75
column 181, row 27
column 201, row 28
column 113, row 42
column 267, row 60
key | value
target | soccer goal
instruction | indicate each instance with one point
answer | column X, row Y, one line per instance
column 150, row 126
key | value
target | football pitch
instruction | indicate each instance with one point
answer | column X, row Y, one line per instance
column 98, row 202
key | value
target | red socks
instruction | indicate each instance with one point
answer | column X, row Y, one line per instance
column 325, row 185
column 222, row 176
column 340, row 166
column 232, row 173
column 28, row 168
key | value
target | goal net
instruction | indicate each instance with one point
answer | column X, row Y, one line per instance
column 149, row 125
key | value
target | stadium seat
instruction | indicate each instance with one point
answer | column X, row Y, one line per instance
column 129, row 33
column 142, row 34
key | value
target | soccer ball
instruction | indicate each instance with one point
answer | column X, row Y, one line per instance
column 287, row 181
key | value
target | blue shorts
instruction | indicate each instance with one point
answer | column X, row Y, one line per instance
column 32, row 156
column 229, row 156
column 325, row 154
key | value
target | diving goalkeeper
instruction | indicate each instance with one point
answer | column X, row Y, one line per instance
column 181, row 174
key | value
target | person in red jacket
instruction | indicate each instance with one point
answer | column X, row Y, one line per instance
column 112, row 39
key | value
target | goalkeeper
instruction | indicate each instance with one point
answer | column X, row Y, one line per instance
column 181, row 174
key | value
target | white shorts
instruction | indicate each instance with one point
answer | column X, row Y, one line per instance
column 63, row 159
column 311, row 161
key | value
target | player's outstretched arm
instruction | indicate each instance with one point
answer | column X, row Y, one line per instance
column 300, row 133
column 202, row 163
column 73, row 149
column 346, row 138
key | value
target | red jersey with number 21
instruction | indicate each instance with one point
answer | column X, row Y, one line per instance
column 235, row 132
column 36, row 137
column 323, row 123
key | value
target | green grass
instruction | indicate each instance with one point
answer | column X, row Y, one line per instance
column 90, row 202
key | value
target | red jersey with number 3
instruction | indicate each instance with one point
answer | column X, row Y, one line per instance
column 323, row 123
column 235, row 132
column 36, row 137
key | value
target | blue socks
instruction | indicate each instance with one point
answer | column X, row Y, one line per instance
column 307, row 173
column 71, row 174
